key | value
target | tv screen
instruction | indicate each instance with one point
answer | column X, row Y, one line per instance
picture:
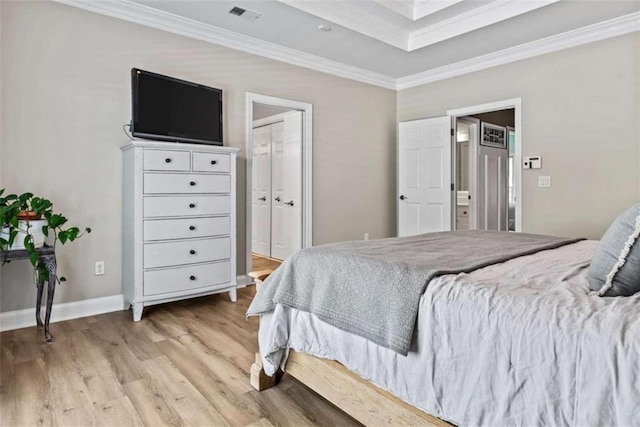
column 169, row 109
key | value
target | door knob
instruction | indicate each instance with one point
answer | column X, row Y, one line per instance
column 192, row 227
column 403, row 197
column 192, row 277
column 167, row 160
column 213, row 162
column 192, row 205
column 278, row 199
column 263, row 198
column 290, row 203
column 192, row 252
column 192, row 183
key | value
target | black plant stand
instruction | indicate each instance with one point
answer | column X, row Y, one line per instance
column 46, row 257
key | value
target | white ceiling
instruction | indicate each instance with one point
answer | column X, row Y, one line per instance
column 388, row 39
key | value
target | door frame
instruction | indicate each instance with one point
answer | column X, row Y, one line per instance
column 474, row 132
column 307, row 157
column 516, row 104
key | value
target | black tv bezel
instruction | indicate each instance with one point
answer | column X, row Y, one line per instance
column 170, row 138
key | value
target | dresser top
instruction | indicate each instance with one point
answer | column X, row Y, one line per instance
column 177, row 146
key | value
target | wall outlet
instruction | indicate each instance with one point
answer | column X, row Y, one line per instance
column 366, row 236
column 99, row 268
column 544, row 181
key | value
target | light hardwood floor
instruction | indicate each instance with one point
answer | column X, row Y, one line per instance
column 185, row 363
column 263, row 263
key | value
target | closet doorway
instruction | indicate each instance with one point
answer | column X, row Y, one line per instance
column 278, row 178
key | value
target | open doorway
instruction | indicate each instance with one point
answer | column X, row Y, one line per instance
column 487, row 172
column 278, row 179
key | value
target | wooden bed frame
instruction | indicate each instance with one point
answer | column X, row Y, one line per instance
column 357, row 397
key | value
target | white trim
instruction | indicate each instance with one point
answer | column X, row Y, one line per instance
column 154, row 18
column 516, row 104
column 307, row 164
column 66, row 311
column 480, row 17
column 589, row 34
column 423, row 8
column 355, row 19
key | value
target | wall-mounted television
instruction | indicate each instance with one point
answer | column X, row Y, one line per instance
column 168, row 109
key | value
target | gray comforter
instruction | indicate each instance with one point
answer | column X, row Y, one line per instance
column 385, row 278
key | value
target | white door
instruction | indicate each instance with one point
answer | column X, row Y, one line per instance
column 424, row 176
column 277, row 191
column 288, row 225
column 261, row 191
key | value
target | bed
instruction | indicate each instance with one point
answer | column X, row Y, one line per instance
column 517, row 342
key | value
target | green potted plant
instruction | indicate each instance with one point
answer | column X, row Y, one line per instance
column 26, row 220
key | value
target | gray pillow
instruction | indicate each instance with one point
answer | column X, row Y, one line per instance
column 615, row 267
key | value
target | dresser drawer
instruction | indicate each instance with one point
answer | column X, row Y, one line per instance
column 186, row 252
column 186, row 278
column 155, row 207
column 179, row 183
column 166, row 160
column 211, row 162
column 165, row 229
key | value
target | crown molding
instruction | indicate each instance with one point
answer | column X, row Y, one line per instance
column 480, row 17
column 424, row 8
column 354, row 19
column 592, row 33
column 154, row 18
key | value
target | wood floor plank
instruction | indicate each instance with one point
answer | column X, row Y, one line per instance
column 70, row 400
column 183, row 397
column 119, row 412
column 223, row 385
column 185, row 363
column 94, row 369
column 123, row 362
column 151, row 405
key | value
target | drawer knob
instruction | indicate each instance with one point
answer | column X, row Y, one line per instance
column 192, row 277
column 213, row 162
column 167, row 160
column 192, row 183
column 192, row 205
column 192, row 227
column 192, row 252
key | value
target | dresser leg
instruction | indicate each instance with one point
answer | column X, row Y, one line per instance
column 137, row 311
column 233, row 294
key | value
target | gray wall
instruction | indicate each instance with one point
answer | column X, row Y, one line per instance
column 580, row 112
column 66, row 94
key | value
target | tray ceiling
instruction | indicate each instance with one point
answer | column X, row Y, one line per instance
column 380, row 41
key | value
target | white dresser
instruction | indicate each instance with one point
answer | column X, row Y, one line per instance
column 179, row 222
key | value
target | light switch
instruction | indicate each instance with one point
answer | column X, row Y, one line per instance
column 544, row 181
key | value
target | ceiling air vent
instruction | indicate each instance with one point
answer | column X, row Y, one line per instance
column 245, row 13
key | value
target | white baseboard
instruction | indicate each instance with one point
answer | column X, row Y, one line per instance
column 73, row 310
column 66, row 311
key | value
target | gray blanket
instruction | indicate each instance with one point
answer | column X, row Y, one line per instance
column 373, row 288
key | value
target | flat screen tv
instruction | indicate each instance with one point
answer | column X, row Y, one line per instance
column 169, row 109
